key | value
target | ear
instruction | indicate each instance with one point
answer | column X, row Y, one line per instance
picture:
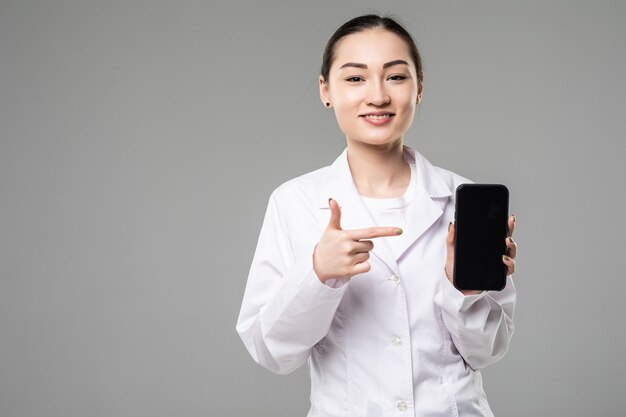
column 420, row 89
column 324, row 94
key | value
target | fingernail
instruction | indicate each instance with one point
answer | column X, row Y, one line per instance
column 510, row 239
column 513, row 217
column 329, row 200
column 449, row 224
column 399, row 231
column 506, row 258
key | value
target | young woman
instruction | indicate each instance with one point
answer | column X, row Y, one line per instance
column 382, row 327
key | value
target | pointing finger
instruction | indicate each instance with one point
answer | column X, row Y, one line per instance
column 372, row 232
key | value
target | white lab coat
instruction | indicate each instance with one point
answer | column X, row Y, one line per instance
column 398, row 340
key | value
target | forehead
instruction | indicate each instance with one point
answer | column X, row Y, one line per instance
column 373, row 47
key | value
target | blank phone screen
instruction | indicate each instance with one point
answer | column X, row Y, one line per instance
column 480, row 232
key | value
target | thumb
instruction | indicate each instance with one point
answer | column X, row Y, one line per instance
column 335, row 215
column 449, row 268
column 450, row 241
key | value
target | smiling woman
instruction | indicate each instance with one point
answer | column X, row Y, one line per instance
column 378, row 81
column 381, row 326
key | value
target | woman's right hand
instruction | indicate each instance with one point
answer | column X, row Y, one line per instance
column 341, row 254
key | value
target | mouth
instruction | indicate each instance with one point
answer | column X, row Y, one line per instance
column 378, row 118
column 377, row 115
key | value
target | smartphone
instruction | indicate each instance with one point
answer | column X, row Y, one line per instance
column 480, row 227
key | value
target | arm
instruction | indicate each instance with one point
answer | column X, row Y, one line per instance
column 480, row 322
column 481, row 325
column 286, row 309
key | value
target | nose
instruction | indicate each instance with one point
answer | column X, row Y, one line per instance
column 376, row 94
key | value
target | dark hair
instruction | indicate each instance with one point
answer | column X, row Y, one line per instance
column 370, row 21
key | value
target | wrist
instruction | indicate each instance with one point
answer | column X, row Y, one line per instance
column 318, row 274
column 464, row 292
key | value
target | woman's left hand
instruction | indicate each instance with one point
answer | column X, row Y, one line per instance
column 508, row 259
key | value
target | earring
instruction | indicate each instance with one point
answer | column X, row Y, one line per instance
column 327, row 104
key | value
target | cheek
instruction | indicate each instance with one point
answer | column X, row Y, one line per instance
column 408, row 99
column 345, row 120
column 346, row 98
column 346, row 104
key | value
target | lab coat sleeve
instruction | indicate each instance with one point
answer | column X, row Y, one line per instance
column 286, row 309
column 480, row 325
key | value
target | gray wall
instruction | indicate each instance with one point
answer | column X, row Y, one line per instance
column 139, row 142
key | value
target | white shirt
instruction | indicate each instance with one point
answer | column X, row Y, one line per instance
column 392, row 211
column 398, row 340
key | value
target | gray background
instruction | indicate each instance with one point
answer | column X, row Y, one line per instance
column 140, row 142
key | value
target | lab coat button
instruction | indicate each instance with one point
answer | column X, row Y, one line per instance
column 402, row 406
column 395, row 279
column 396, row 341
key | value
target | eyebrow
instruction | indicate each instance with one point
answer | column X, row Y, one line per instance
column 385, row 65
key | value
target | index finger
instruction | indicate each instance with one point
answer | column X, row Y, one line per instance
column 372, row 232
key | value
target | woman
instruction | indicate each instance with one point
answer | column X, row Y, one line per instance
column 382, row 327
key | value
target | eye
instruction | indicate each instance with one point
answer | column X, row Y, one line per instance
column 353, row 79
column 398, row 77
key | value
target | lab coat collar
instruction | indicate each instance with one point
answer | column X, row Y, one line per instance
column 431, row 193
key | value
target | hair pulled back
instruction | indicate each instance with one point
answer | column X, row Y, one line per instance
column 370, row 21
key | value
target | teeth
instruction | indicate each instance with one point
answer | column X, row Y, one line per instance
column 382, row 116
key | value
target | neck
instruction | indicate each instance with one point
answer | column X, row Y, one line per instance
column 379, row 171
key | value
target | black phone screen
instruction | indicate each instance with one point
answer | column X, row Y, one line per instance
column 480, row 231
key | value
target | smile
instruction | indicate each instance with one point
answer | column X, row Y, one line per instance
column 378, row 119
column 375, row 116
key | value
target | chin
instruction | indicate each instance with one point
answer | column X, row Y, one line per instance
column 381, row 138
column 378, row 141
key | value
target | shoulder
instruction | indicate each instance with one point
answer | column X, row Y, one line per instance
column 452, row 179
column 294, row 204
column 299, row 190
column 440, row 181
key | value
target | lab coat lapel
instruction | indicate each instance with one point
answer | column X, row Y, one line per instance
column 430, row 196
column 426, row 207
column 338, row 184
